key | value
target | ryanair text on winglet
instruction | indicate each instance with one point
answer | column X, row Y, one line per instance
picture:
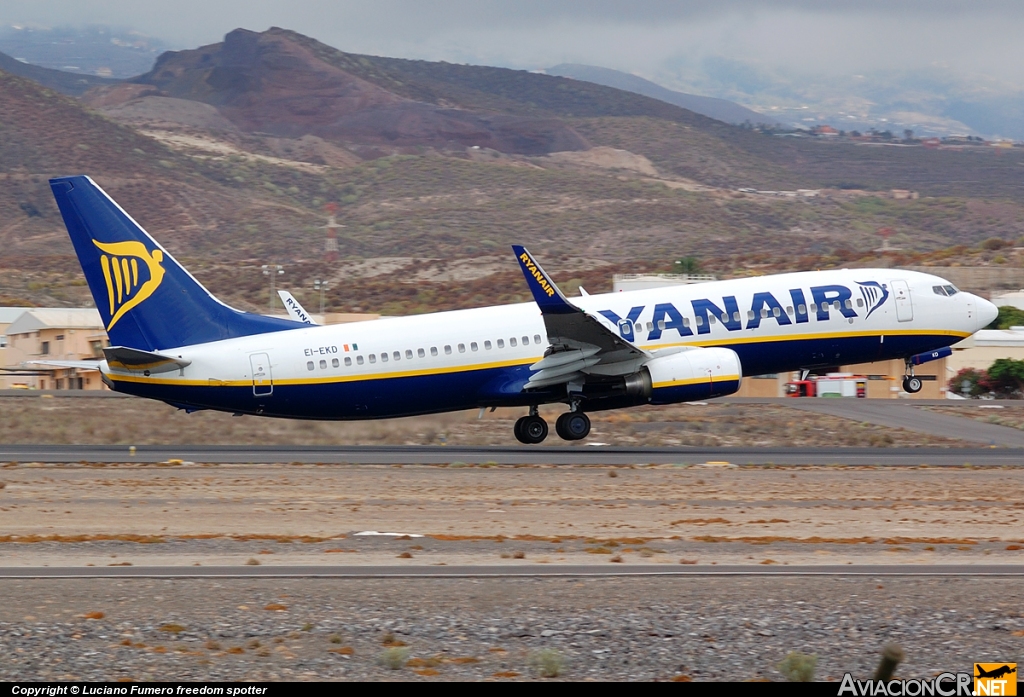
column 532, row 268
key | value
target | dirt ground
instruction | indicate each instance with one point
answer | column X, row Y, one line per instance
column 308, row 514
column 132, row 421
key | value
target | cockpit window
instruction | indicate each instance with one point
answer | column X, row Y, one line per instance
column 945, row 290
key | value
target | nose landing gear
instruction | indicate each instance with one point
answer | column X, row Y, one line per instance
column 911, row 383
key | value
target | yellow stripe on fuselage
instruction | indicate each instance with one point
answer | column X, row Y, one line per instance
column 326, row 379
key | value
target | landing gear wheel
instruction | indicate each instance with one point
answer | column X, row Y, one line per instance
column 530, row 430
column 912, row 384
column 573, row 425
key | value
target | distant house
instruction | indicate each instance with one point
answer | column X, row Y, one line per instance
column 824, row 130
column 904, row 194
column 58, row 334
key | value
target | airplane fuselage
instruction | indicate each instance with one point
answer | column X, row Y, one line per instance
column 481, row 357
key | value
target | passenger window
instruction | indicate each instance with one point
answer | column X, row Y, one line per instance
column 789, row 309
column 764, row 313
column 408, row 354
column 661, row 323
column 359, row 360
column 750, row 314
column 348, row 361
column 802, row 310
column 650, row 327
column 736, row 316
column 384, row 357
column 849, row 304
column 776, row 311
column 334, row 363
column 536, row 338
column 512, row 341
column 860, row 302
column 700, row 321
column 309, row 365
column 526, row 341
column 473, row 346
column 501, row 343
column 487, row 345
column 447, row 349
column 420, row 353
column 836, row 305
column 397, row 355
column 373, row 358
column 462, row 348
column 814, row 307
column 711, row 319
column 323, row 364
column 433, row 350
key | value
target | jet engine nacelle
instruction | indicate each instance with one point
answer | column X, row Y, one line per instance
column 694, row 374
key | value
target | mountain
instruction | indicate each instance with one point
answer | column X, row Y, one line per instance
column 64, row 82
column 712, row 107
column 270, row 83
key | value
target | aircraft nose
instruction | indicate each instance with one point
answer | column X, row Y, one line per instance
column 987, row 312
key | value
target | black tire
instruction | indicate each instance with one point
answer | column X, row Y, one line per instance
column 573, row 426
column 534, row 430
column 517, row 430
column 577, row 425
column 560, row 427
column 913, row 385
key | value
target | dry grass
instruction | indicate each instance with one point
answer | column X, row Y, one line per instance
column 94, row 615
column 172, row 628
column 127, row 422
column 275, row 607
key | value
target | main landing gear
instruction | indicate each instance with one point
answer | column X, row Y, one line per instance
column 532, row 429
column 911, row 383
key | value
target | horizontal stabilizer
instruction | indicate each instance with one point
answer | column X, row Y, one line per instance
column 82, row 365
column 136, row 361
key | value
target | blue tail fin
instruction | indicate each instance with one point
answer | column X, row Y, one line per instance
column 146, row 299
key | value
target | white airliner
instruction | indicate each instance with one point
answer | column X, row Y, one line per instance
column 173, row 341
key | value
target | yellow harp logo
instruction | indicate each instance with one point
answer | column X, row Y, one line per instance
column 126, row 288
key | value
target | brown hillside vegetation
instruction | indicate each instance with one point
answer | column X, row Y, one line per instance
column 235, row 173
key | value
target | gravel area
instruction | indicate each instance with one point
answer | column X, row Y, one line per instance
column 458, row 629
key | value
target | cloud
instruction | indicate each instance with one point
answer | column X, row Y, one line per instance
column 644, row 36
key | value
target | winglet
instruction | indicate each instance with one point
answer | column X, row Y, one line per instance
column 547, row 295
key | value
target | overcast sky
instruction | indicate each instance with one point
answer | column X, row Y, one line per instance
column 820, row 37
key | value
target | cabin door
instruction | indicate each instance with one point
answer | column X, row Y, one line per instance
column 904, row 305
column 262, row 380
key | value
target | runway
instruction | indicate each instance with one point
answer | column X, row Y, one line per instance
column 504, row 571
column 516, row 455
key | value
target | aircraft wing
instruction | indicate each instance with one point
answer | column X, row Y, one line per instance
column 295, row 310
column 579, row 343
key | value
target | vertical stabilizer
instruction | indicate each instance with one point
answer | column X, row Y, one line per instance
column 146, row 299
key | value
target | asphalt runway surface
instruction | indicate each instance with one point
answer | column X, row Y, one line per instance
column 518, row 455
column 506, row 571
